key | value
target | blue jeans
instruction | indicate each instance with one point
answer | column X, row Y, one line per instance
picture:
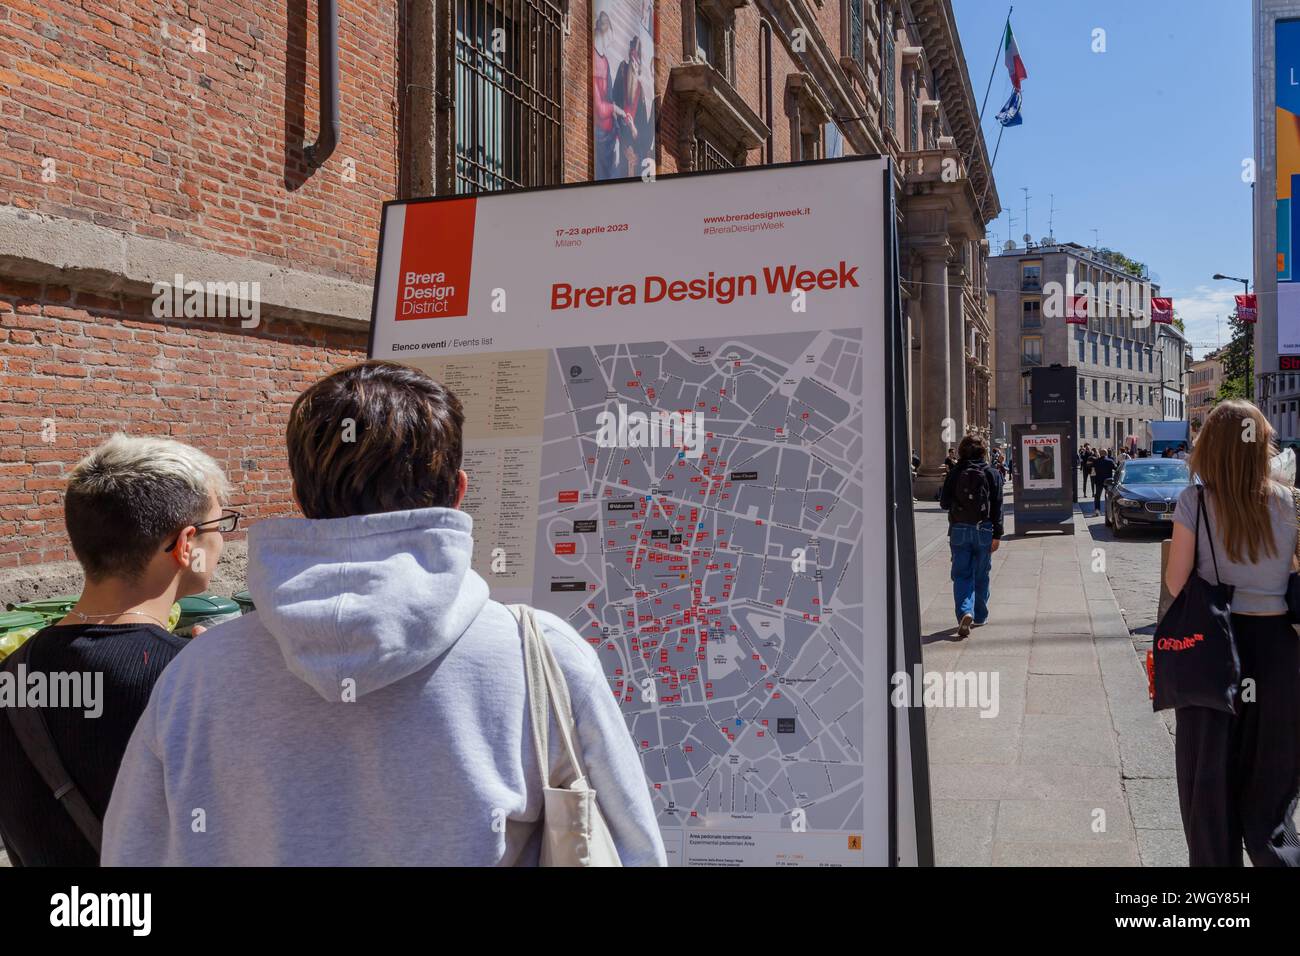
column 972, row 557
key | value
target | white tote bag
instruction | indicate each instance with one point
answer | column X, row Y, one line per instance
column 573, row 831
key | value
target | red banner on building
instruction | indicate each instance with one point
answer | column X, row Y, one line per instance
column 1077, row 311
column 1247, row 309
column 1162, row 310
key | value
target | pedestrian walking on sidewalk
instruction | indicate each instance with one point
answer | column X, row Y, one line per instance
column 1086, row 458
column 972, row 496
column 1239, row 775
column 1103, row 469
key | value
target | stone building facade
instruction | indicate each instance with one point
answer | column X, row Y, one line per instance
column 1120, row 375
column 140, row 141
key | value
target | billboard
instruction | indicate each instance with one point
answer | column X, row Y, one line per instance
column 679, row 406
column 1287, row 157
column 1044, row 498
column 1054, row 393
column 622, row 87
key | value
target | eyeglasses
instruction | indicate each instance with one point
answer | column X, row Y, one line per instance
column 227, row 523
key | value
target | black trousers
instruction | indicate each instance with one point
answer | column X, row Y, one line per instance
column 1239, row 776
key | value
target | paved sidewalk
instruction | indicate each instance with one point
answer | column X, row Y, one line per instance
column 1075, row 769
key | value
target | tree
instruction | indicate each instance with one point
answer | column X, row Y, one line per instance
column 1121, row 261
column 1238, row 358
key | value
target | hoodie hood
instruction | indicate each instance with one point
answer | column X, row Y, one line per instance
column 371, row 598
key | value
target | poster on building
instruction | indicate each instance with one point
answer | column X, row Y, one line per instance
column 1042, row 461
column 677, row 430
column 623, row 87
column 1287, row 143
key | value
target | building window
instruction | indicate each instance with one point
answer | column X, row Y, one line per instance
column 1031, row 350
column 914, row 113
column 1128, row 349
column 1025, row 397
column 887, row 77
column 1083, row 388
column 1094, row 349
column 508, row 94
column 1083, row 427
column 1031, row 313
column 708, row 156
column 1031, row 277
column 705, row 47
column 1108, row 428
column 1107, row 390
column 1094, row 392
column 1106, row 349
column 1079, row 338
column 765, row 85
column 1094, row 423
column 857, row 31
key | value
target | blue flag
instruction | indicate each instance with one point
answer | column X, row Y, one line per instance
column 1009, row 115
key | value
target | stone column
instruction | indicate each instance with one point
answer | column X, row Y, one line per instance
column 957, row 337
column 936, row 356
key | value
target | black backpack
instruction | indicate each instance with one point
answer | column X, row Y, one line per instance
column 970, row 498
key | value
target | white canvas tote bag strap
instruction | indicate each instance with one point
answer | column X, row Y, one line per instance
column 547, row 690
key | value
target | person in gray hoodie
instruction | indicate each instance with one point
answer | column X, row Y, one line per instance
column 372, row 710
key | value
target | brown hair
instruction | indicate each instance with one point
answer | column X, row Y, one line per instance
column 374, row 437
column 1233, row 462
column 972, row 446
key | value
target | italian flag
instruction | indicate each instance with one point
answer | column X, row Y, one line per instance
column 1015, row 65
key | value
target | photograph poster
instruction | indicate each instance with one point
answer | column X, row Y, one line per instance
column 622, row 87
column 1042, row 461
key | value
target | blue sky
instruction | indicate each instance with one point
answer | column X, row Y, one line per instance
column 1143, row 142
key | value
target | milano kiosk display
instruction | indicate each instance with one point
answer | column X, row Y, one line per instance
column 685, row 435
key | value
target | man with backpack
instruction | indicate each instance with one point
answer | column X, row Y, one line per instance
column 972, row 496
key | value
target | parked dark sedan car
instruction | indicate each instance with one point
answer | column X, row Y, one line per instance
column 1144, row 493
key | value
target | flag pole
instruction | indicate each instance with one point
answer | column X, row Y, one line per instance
column 989, row 179
column 1001, row 38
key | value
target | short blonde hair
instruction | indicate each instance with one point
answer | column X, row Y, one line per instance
column 130, row 495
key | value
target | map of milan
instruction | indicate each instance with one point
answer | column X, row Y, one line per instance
column 722, row 592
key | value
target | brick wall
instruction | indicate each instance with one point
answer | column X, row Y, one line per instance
column 153, row 137
column 92, row 365
column 118, row 113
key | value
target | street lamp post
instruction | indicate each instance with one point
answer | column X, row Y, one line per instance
column 1261, row 390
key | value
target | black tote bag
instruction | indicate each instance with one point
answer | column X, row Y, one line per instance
column 1196, row 662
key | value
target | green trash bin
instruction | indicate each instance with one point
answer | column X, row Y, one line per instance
column 52, row 609
column 16, row 627
column 205, row 609
column 245, row 602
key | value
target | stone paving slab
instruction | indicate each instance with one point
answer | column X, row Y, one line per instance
column 1074, row 736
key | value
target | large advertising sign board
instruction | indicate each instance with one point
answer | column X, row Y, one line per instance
column 1287, row 156
column 679, row 417
column 1044, row 481
column 1054, row 392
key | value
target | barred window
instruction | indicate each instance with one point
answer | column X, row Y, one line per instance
column 508, row 94
column 857, row 36
column 887, row 78
column 708, row 156
column 765, row 86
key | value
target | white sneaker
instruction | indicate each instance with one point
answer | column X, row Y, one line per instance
column 963, row 629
